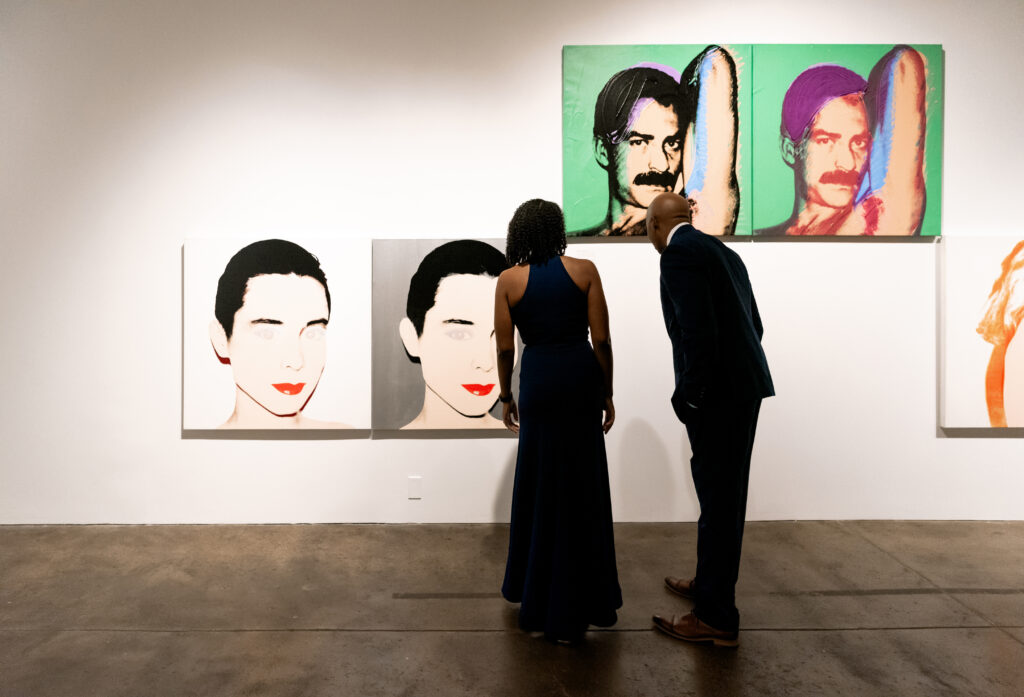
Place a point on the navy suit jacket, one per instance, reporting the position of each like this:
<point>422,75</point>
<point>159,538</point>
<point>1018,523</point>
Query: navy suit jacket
<point>712,319</point>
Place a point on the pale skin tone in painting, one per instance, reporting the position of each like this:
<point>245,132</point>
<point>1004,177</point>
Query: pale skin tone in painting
<point>277,351</point>
<point>829,162</point>
<point>456,352</point>
<point>657,144</point>
<point>716,201</point>
<point>510,289</point>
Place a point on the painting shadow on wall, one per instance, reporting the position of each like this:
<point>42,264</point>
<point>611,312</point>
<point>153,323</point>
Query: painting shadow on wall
<point>257,434</point>
<point>435,434</point>
<point>955,432</point>
<point>844,239</point>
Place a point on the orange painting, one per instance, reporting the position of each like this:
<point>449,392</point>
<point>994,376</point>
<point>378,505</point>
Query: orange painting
<point>1004,378</point>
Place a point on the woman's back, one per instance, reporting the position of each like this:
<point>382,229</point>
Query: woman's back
<point>553,309</point>
<point>559,374</point>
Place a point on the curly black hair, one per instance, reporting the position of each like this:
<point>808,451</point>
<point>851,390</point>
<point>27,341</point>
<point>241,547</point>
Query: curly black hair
<point>536,233</point>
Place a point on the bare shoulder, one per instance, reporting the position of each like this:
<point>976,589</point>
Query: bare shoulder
<point>584,267</point>
<point>583,273</point>
<point>512,281</point>
<point>514,273</point>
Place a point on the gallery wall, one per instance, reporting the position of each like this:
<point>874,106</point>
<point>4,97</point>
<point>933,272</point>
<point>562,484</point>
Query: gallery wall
<point>127,127</point>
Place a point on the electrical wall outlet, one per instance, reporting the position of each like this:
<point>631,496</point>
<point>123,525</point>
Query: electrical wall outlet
<point>415,487</point>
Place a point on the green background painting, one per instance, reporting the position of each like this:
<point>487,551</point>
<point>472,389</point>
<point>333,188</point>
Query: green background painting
<point>764,73</point>
<point>774,68</point>
<point>585,70</point>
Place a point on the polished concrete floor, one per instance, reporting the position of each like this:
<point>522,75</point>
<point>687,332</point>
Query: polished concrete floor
<point>828,608</point>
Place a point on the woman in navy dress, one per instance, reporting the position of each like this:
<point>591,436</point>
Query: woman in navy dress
<point>561,556</point>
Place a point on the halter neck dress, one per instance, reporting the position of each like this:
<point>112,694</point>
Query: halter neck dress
<point>561,557</point>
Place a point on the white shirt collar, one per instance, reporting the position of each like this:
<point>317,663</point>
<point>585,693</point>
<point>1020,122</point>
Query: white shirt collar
<point>668,240</point>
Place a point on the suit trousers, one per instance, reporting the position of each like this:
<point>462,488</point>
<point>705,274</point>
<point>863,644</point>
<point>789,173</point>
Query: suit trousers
<point>721,439</point>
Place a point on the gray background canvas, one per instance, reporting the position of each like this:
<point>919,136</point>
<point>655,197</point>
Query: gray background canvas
<point>397,380</point>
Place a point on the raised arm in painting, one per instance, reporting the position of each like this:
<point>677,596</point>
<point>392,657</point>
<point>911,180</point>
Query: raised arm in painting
<point>892,196</point>
<point>709,158</point>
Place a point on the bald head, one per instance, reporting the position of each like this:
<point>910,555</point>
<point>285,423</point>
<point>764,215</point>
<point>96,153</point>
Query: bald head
<point>665,212</point>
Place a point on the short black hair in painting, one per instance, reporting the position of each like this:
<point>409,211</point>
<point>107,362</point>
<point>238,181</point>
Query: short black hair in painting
<point>616,106</point>
<point>536,233</point>
<point>470,257</point>
<point>262,258</point>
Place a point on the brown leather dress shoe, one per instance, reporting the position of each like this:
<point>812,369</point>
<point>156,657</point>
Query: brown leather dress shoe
<point>688,628</point>
<point>682,588</point>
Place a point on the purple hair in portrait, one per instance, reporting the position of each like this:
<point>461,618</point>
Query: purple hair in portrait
<point>813,89</point>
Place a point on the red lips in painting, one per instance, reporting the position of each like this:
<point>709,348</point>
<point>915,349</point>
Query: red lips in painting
<point>289,388</point>
<point>480,390</point>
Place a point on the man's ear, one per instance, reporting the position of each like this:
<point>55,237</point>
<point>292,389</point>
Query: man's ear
<point>601,153</point>
<point>652,227</point>
<point>219,340</point>
<point>788,150</point>
<point>411,340</point>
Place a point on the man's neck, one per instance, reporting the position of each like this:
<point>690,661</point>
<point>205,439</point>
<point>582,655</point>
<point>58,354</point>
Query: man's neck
<point>626,219</point>
<point>815,219</point>
<point>672,232</point>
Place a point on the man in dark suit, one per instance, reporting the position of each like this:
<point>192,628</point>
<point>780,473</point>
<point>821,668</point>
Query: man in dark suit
<point>721,377</point>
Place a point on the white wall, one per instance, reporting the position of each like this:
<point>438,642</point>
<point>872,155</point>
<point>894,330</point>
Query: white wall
<point>126,127</point>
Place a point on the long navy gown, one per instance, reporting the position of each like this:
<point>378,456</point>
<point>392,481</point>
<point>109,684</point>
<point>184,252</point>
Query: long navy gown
<point>561,556</point>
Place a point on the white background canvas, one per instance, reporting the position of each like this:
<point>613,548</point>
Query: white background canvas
<point>970,265</point>
<point>343,394</point>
